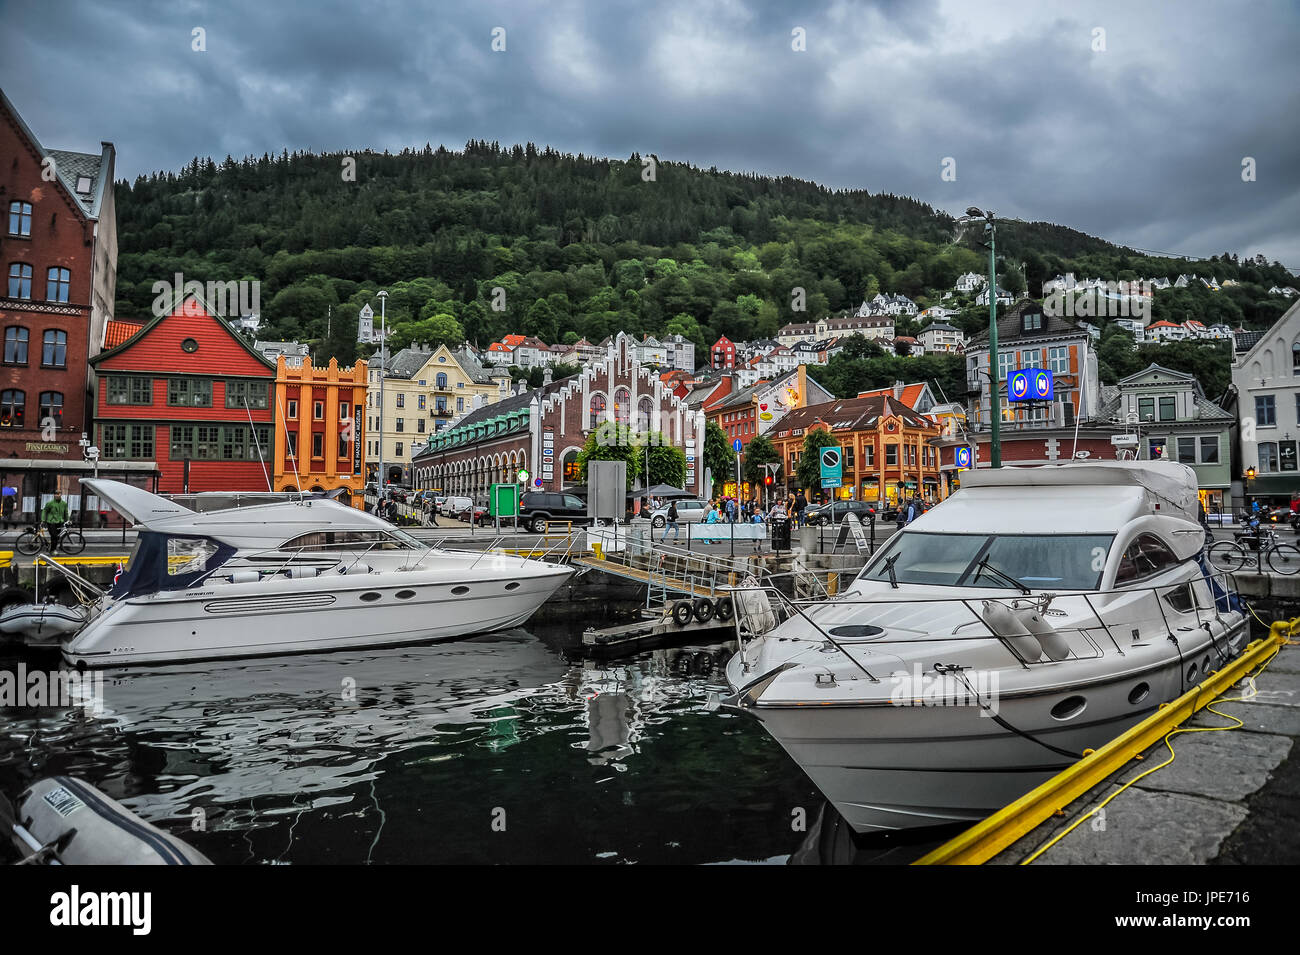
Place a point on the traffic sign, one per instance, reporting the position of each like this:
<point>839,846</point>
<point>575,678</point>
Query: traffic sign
<point>736,445</point>
<point>963,457</point>
<point>832,468</point>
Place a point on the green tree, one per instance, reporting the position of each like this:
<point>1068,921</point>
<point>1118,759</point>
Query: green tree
<point>613,442</point>
<point>433,331</point>
<point>808,471</point>
<point>758,452</point>
<point>718,456</point>
<point>667,463</point>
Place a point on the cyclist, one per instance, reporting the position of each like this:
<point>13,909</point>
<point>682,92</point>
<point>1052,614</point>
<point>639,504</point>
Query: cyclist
<point>54,515</point>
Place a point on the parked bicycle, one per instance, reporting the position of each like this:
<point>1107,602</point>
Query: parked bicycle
<point>1253,548</point>
<point>36,539</point>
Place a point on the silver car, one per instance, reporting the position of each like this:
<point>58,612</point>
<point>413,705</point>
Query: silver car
<point>688,512</point>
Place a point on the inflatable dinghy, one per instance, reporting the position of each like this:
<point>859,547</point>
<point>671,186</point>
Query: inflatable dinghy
<point>65,821</point>
<point>42,623</point>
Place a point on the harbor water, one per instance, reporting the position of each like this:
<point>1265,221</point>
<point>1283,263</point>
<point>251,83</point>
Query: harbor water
<point>506,748</point>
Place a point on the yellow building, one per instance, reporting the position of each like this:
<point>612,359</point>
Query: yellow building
<point>424,390</point>
<point>320,425</point>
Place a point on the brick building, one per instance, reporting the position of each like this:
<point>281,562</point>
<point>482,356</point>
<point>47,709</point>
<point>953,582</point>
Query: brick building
<point>58,249</point>
<point>542,430</point>
<point>190,393</point>
<point>886,446</point>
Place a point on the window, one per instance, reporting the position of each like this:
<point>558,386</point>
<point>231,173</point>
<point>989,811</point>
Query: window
<point>343,411</point>
<point>343,446</point>
<point>291,444</point>
<point>54,349</point>
<point>1048,561</point>
<point>891,455</point>
<point>256,393</point>
<point>399,449</point>
<point>441,406</point>
<point>460,404</point>
<point>1168,408</point>
<point>57,282</point>
<point>401,424</point>
<point>1186,450</point>
<point>420,425</point>
<point>13,408</point>
<point>51,405</point>
<point>129,390</point>
<point>1058,359</point>
<point>1146,409</point>
<point>1265,411</point>
<point>1145,557</point>
<point>1006,364</point>
<point>622,405</point>
<point>20,280</point>
<point>127,441</point>
<point>1031,358</point>
<point>869,455</point>
<point>189,392</point>
<point>1267,457</point>
<point>1210,449</point>
<point>293,409</point>
<point>441,379</point>
<point>401,400</point>
<point>1286,458</point>
<point>644,410</point>
<point>318,410</point>
<point>20,218</point>
<point>317,445</point>
<point>16,345</point>
<point>597,409</point>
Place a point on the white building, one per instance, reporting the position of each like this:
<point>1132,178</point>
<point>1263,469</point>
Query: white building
<point>1267,383</point>
<point>941,337</point>
<point>970,282</point>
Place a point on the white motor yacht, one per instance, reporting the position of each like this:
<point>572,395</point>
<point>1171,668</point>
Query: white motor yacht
<point>1036,613</point>
<point>291,577</point>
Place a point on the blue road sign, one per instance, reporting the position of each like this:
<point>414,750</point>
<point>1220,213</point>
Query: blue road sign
<point>736,445</point>
<point>831,468</point>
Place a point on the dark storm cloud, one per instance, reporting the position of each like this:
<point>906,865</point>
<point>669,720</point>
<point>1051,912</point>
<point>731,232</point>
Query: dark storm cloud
<point>1141,142</point>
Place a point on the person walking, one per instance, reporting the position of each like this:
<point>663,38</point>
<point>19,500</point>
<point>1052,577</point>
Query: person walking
<point>670,520</point>
<point>54,515</point>
<point>431,511</point>
<point>800,505</point>
<point>731,510</point>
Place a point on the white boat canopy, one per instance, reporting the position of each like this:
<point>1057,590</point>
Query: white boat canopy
<point>134,503</point>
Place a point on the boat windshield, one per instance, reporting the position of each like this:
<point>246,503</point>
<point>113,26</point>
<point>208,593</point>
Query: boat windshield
<point>162,562</point>
<point>1039,561</point>
<point>386,539</point>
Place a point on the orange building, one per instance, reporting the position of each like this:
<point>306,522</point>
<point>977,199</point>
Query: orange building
<point>885,445</point>
<point>320,424</point>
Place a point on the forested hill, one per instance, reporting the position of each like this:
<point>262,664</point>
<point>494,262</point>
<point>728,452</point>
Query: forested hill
<point>582,246</point>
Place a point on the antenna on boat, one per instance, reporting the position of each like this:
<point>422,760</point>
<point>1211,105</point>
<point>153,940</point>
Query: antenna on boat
<point>258,445</point>
<point>294,457</point>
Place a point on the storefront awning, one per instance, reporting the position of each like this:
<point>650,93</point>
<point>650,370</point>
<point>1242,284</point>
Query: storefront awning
<point>1288,483</point>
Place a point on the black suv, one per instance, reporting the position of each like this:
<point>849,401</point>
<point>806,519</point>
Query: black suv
<point>538,507</point>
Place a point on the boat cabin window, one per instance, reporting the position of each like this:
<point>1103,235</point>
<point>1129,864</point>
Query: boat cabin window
<point>1039,561</point>
<point>364,540</point>
<point>1147,556</point>
<point>188,555</point>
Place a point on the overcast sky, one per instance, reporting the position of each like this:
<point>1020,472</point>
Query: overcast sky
<point>1137,133</point>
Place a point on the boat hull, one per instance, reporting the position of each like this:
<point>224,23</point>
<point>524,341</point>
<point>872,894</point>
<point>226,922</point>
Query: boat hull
<point>314,615</point>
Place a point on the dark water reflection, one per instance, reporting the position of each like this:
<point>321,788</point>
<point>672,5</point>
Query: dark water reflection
<point>500,749</point>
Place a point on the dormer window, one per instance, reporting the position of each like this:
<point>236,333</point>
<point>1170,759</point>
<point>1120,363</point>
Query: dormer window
<point>83,185</point>
<point>1031,321</point>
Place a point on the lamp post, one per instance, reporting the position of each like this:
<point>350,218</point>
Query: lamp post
<point>1250,476</point>
<point>382,480</point>
<point>995,399</point>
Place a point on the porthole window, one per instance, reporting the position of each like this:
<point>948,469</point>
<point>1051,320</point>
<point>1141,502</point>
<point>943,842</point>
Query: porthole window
<point>1191,673</point>
<point>370,596</point>
<point>404,594</point>
<point>190,346</point>
<point>460,591</point>
<point>513,585</point>
<point>1139,693</point>
<point>1069,708</point>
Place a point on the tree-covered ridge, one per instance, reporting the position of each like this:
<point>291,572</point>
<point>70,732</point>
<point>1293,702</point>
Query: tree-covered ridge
<point>578,246</point>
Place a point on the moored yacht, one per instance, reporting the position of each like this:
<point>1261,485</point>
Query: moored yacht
<point>291,577</point>
<point>1036,613</point>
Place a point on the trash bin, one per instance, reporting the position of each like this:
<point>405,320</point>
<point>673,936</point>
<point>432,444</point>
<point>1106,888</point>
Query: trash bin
<point>781,533</point>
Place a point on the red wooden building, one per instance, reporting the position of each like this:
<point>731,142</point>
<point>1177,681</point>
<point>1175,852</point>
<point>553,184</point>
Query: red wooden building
<point>189,392</point>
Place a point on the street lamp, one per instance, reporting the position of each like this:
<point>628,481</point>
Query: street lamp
<point>383,367</point>
<point>1250,476</point>
<point>995,400</point>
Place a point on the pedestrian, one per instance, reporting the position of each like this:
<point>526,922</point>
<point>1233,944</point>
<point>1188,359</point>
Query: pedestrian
<point>7,509</point>
<point>670,520</point>
<point>800,505</point>
<point>900,517</point>
<point>431,510</point>
<point>731,510</point>
<point>54,515</point>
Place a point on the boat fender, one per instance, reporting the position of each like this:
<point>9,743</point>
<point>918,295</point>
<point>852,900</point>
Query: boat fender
<point>245,577</point>
<point>1052,641</point>
<point>682,613</point>
<point>703,609</point>
<point>725,609</point>
<point>300,573</point>
<point>1006,624</point>
<point>755,609</point>
<point>89,828</point>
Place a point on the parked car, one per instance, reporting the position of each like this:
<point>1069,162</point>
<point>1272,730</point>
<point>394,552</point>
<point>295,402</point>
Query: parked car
<point>481,516</point>
<point>836,511</point>
<point>689,511</point>
<point>538,507</point>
